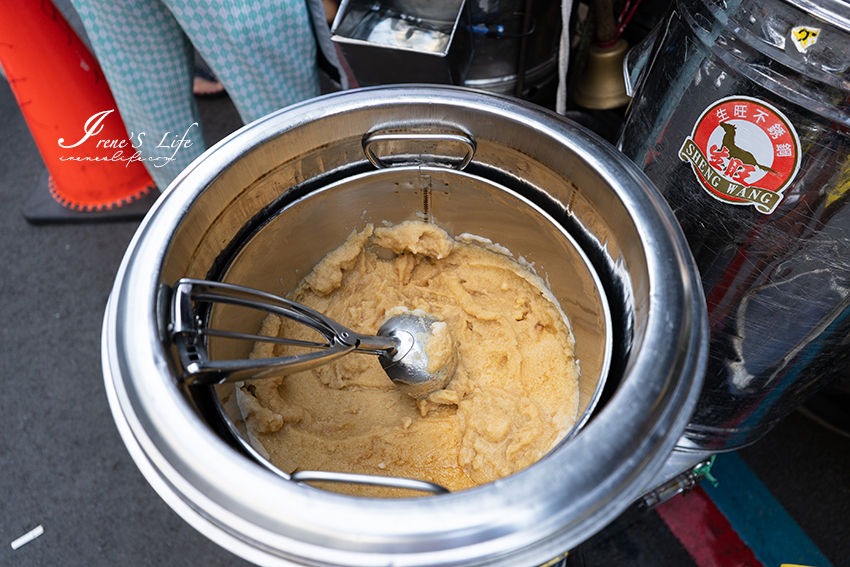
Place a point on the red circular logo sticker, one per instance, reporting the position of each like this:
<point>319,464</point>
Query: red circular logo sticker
<point>743,152</point>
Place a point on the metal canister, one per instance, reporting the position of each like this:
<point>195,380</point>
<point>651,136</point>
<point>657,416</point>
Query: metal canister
<point>515,47</point>
<point>741,119</point>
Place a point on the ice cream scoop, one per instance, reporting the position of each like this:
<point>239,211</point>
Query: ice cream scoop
<point>411,346</point>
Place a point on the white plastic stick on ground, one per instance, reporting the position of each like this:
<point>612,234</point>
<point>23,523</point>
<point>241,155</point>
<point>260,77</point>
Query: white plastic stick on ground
<point>28,537</point>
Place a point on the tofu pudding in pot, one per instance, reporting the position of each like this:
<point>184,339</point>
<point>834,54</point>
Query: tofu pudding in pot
<point>513,397</point>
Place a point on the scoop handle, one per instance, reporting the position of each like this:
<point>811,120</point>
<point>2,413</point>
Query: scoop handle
<point>189,332</point>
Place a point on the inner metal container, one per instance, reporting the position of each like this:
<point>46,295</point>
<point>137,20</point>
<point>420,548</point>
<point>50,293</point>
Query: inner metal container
<point>268,260</point>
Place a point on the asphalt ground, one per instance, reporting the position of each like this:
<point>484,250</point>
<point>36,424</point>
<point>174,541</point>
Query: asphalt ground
<point>64,468</point>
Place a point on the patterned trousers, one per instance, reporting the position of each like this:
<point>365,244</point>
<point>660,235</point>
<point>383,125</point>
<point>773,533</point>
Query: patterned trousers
<point>263,51</point>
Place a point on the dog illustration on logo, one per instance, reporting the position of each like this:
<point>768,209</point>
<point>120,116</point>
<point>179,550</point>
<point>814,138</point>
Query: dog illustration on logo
<point>744,152</point>
<point>736,152</point>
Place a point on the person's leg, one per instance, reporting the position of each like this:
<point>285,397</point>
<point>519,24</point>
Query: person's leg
<point>263,51</point>
<point>148,62</point>
<point>206,84</point>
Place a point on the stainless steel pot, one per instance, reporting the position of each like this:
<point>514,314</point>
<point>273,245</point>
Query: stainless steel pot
<point>772,246</point>
<point>291,186</point>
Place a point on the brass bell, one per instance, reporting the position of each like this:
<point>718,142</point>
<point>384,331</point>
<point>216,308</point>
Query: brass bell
<point>602,85</point>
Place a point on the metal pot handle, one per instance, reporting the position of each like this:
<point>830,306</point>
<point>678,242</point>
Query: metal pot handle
<point>369,479</point>
<point>369,140</point>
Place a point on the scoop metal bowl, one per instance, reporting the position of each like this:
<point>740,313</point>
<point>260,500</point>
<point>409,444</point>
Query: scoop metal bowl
<point>409,366</point>
<point>401,343</point>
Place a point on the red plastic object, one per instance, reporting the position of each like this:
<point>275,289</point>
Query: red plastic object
<point>62,94</point>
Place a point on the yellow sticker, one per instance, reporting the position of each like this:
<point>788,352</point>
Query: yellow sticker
<point>804,37</point>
